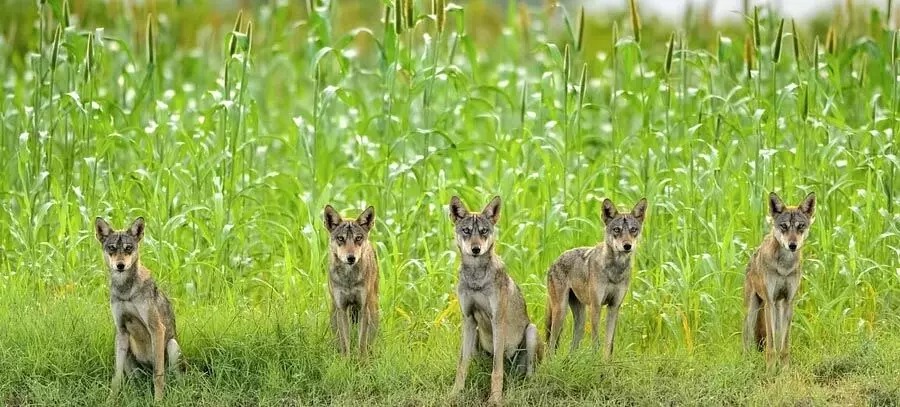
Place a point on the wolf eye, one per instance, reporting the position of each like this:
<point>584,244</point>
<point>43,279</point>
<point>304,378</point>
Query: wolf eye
<point>110,248</point>
<point>783,227</point>
<point>467,231</point>
<point>617,230</point>
<point>484,231</point>
<point>801,226</point>
<point>633,229</point>
<point>359,239</point>
<point>340,239</point>
<point>128,248</point>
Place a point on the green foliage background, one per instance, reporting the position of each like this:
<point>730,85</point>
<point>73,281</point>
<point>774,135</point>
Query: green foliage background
<point>231,156</point>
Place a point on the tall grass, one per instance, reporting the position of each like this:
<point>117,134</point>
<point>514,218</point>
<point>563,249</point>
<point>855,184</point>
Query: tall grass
<point>232,142</point>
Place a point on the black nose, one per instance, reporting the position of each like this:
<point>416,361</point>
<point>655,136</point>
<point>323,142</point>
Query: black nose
<point>476,250</point>
<point>120,266</point>
<point>792,246</point>
<point>351,259</point>
<point>626,246</point>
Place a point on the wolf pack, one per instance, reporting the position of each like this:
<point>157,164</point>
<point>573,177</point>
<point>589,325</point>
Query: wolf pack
<point>495,321</point>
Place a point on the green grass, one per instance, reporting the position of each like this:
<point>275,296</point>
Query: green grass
<point>232,176</point>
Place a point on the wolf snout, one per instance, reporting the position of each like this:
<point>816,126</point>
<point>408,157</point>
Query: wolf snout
<point>120,266</point>
<point>627,247</point>
<point>792,246</point>
<point>476,249</point>
<point>351,259</point>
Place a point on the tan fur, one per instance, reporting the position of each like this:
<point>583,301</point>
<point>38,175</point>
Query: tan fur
<point>142,315</point>
<point>773,280</point>
<point>352,278</point>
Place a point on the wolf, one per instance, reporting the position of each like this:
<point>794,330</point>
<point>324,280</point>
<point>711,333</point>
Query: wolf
<point>494,315</point>
<point>594,277</point>
<point>142,315</point>
<point>773,279</point>
<point>352,278</point>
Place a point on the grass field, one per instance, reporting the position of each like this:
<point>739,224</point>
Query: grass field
<point>231,143</point>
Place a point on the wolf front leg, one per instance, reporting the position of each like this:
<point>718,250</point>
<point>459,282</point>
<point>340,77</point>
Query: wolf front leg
<point>595,325</point>
<point>340,326</point>
<point>158,339</point>
<point>612,316</point>
<point>121,356</point>
<point>498,326</point>
<point>364,321</point>
<point>771,333</point>
<point>466,350</point>
<point>785,356</point>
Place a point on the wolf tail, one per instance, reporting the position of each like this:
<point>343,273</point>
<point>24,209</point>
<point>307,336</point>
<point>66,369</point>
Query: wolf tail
<point>759,331</point>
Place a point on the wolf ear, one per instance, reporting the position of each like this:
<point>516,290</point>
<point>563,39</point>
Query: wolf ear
<point>458,210</point>
<point>102,229</point>
<point>137,229</point>
<point>640,210</point>
<point>492,210</point>
<point>367,218</point>
<point>332,218</point>
<point>808,206</point>
<point>776,205</point>
<point>609,211</point>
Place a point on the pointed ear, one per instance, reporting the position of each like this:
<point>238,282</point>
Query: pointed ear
<point>102,229</point>
<point>367,218</point>
<point>608,211</point>
<point>808,206</point>
<point>458,210</point>
<point>492,210</point>
<point>776,205</point>
<point>332,218</point>
<point>137,229</point>
<point>640,210</point>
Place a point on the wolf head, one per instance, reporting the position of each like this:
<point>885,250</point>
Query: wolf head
<point>790,224</point>
<point>349,238</point>
<point>120,249</point>
<point>623,229</point>
<point>475,231</point>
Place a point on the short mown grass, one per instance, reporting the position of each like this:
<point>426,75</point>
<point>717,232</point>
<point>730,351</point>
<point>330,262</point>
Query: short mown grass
<point>230,137</point>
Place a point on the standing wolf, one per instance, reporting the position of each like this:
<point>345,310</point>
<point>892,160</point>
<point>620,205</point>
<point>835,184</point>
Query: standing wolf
<point>594,276</point>
<point>495,318</point>
<point>773,278</point>
<point>143,317</point>
<point>352,278</point>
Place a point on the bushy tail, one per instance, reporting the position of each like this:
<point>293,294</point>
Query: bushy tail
<point>759,332</point>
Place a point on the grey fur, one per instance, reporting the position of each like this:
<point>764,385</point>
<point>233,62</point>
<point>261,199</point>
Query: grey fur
<point>495,317</point>
<point>594,277</point>
<point>142,315</point>
<point>352,278</point>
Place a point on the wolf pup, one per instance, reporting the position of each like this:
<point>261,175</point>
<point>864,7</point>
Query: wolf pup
<point>352,278</point>
<point>773,278</point>
<point>494,316</point>
<point>143,317</point>
<point>594,276</point>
